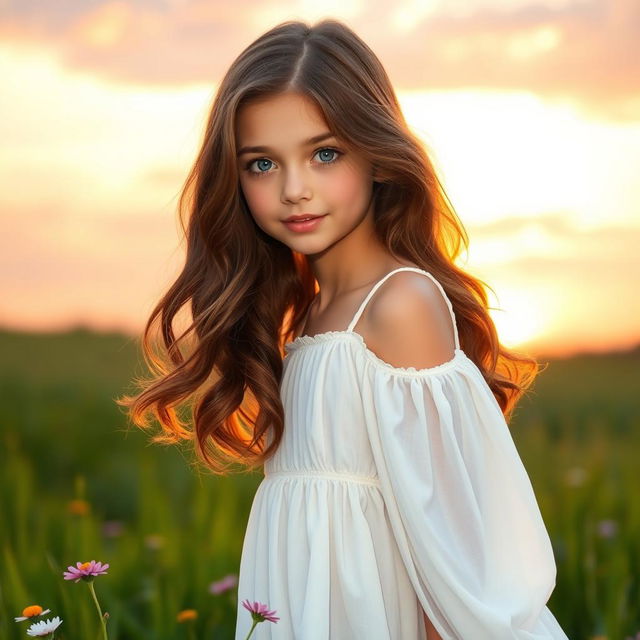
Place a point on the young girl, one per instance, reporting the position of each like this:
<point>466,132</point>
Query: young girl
<point>335,343</point>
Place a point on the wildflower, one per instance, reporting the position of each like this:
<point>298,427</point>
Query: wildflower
<point>186,615</point>
<point>78,507</point>
<point>575,476</point>
<point>154,541</point>
<point>85,571</point>
<point>44,627</point>
<point>224,584</point>
<point>607,528</point>
<point>32,611</point>
<point>112,528</point>
<point>259,612</point>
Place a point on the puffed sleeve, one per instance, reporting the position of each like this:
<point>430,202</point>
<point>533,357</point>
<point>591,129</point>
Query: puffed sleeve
<point>460,502</point>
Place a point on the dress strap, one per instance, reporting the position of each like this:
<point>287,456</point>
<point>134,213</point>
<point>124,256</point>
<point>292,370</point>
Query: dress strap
<point>358,313</point>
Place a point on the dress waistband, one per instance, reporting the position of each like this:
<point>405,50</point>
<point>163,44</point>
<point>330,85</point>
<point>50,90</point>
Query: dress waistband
<point>329,475</point>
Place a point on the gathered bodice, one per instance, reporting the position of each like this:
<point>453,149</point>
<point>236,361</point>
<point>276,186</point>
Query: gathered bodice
<point>324,418</point>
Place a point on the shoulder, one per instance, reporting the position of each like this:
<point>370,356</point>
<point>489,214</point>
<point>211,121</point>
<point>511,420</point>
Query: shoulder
<point>408,322</point>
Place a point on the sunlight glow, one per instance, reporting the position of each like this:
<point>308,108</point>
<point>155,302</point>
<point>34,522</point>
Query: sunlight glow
<point>517,317</point>
<point>502,154</point>
<point>93,170</point>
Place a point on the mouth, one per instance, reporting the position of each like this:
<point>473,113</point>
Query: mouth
<point>303,223</point>
<point>303,217</point>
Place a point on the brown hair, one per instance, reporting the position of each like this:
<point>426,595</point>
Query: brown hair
<point>248,292</point>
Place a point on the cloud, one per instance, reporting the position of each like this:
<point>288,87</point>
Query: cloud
<point>553,223</point>
<point>583,52</point>
<point>601,252</point>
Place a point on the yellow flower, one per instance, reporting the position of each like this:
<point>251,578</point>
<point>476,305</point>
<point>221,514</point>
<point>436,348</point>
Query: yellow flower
<point>186,615</point>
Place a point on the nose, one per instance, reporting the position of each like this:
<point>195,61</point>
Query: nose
<point>296,185</point>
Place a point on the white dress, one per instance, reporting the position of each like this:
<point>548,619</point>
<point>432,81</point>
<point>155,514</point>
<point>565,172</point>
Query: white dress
<point>393,490</point>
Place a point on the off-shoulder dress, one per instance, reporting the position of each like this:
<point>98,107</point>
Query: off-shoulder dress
<point>394,490</point>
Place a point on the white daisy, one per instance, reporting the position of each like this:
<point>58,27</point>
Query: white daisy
<point>44,628</point>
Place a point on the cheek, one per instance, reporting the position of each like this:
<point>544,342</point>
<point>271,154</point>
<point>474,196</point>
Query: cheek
<point>259,199</point>
<point>348,187</point>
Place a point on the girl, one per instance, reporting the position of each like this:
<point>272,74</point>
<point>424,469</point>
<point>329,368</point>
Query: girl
<point>335,343</point>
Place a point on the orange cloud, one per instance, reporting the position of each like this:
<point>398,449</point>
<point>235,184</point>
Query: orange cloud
<point>581,52</point>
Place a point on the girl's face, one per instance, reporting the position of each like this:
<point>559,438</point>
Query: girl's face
<point>300,168</point>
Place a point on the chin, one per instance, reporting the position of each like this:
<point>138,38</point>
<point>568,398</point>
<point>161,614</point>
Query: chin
<point>308,246</point>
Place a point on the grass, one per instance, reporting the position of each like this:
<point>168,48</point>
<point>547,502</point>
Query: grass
<point>78,483</point>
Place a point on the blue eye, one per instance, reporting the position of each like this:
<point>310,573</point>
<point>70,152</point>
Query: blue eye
<point>333,153</point>
<point>260,163</point>
<point>326,156</point>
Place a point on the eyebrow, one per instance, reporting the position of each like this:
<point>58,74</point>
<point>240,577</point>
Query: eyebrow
<point>262,149</point>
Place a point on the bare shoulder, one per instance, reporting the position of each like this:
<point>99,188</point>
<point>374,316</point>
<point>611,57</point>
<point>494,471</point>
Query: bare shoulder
<point>408,323</point>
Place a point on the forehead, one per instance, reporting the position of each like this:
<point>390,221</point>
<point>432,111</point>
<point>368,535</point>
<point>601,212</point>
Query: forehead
<point>269,120</point>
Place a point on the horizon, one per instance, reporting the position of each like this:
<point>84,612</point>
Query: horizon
<point>530,113</point>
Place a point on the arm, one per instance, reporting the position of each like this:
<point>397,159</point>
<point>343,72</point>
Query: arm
<point>460,502</point>
<point>432,634</point>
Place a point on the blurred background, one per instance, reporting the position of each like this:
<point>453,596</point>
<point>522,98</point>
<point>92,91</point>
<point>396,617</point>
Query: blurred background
<point>530,110</point>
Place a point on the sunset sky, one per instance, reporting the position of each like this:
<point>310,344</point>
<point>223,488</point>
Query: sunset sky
<point>529,110</point>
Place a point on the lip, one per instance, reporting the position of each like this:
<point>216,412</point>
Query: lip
<point>295,224</point>
<point>302,216</point>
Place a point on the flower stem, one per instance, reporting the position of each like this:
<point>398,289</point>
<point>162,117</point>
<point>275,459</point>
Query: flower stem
<point>255,622</point>
<point>102,621</point>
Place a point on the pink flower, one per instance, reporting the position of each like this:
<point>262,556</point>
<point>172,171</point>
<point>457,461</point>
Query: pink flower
<point>607,528</point>
<point>224,584</point>
<point>85,571</point>
<point>112,528</point>
<point>259,612</point>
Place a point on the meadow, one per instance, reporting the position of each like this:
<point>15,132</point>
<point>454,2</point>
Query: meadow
<point>79,483</point>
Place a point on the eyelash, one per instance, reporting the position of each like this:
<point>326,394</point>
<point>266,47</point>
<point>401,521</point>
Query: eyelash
<point>266,173</point>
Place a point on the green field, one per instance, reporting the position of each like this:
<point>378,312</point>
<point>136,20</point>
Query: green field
<point>79,483</point>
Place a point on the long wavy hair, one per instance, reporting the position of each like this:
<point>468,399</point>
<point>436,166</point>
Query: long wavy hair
<point>248,293</point>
